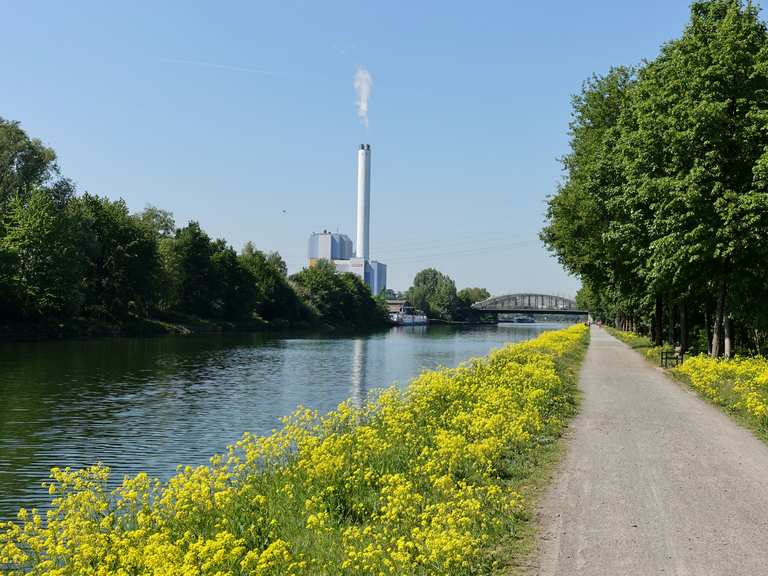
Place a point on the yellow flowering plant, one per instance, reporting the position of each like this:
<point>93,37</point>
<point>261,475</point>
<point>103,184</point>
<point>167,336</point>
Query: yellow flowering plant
<point>415,481</point>
<point>738,384</point>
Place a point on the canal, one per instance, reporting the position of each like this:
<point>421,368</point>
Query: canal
<point>151,404</point>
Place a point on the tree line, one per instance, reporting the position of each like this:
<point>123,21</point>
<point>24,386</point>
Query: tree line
<point>435,294</point>
<point>663,210</point>
<point>67,256</point>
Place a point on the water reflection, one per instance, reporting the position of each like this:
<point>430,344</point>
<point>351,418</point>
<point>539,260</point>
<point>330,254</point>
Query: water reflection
<point>150,404</point>
<point>357,371</point>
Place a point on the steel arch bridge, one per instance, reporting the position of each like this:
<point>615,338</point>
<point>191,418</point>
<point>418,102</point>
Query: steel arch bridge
<point>528,304</point>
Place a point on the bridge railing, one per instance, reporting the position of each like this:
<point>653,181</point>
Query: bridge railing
<point>531,302</point>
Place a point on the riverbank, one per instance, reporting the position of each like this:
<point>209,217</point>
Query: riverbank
<point>420,481</point>
<point>89,328</point>
<point>180,325</point>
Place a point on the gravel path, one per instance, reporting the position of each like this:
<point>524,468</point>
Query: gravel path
<point>655,480</point>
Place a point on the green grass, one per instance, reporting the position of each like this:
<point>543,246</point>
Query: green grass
<point>641,344</point>
<point>533,475</point>
<point>634,341</point>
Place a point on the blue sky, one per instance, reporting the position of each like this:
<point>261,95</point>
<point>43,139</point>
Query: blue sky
<point>241,115</point>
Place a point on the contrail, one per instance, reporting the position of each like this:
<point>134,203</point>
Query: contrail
<point>214,65</point>
<point>363,83</point>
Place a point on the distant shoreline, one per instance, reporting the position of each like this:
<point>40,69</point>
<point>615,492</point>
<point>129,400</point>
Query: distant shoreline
<point>86,328</point>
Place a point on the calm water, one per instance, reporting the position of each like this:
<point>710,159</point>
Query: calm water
<point>151,404</point>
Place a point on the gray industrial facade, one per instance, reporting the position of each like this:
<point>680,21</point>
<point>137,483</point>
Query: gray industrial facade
<point>338,249</point>
<point>329,246</point>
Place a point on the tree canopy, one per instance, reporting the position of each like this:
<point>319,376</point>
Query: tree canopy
<point>663,210</point>
<point>435,294</point>
<point>335,296</point>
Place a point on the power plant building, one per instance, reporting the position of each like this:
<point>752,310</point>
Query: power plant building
<point>338,247</point>
<point>329,246</point>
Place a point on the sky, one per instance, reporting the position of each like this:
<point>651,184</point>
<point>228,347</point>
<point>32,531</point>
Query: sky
<point>241,115</point>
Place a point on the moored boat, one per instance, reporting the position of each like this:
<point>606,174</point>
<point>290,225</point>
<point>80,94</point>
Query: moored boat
<point>403,314</point>
<point>408,319</point>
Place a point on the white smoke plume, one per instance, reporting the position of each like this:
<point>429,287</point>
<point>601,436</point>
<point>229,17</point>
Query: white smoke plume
<point>363,83</point>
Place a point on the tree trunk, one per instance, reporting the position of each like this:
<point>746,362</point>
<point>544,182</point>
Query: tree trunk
<point>728,325</point>
<point>717,329</point>
<point>658,337</point>
<point>670,321</point>
<point>706,329</point>
<point>683,328</point>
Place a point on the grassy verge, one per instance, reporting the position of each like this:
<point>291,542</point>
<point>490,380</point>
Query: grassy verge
<point>521,547</point>
<point>641,344</point>
<point>436,479</point>
<point>634,341</point>
<point>738,386</point>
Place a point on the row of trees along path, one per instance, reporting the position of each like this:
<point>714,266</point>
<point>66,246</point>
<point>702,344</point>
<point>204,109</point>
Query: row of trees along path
<point>663,212</point>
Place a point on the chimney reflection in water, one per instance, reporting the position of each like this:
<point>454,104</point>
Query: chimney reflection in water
<point>358,392</point>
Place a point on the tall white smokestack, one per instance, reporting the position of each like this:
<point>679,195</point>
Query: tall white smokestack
<point>363,201</point>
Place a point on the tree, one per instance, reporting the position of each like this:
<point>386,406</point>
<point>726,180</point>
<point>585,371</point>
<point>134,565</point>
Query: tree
<point>277,300</point>
<point>236,293</point>
<point>390,294</point>
<point>471,295</point>
<point>464,300</point>
<point>320,286</point>
<point>434,293</point>
<point>121,259</point>
<point>27,165</point>
<point>699,147</point>
<point>159,222</point>
<point>187,259</point>
<point>590,227</point>
<point>367,311</point>
<point>63,256</point>
<point>277,263</point>
<point>338,299</point>
<point>663,212</point>
<point>41,258</point>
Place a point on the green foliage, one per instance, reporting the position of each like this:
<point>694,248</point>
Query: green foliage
<point>26,165</point>
<point>471,295</point>
<point>434,293</point>
<point>120,258</point>
<point>664,207</point>
<point>465,298</point>
<point>277,300</point>
<point>41,259</point>
<point>159,222</point>
<point>236,292</point>
<point>390,294</point>
<point>338,299</point>
<point>188,258</point>
<point>277,262</point>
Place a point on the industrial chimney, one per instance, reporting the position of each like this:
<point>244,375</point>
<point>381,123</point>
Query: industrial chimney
<point>363,201</point>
